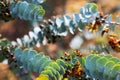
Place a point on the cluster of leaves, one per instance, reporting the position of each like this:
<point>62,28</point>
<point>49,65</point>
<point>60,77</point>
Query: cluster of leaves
<point>26,11</point>
<point>96,66</point>
<point>29,10</point>
<point>102,67</point>
<point>55,28</point>
<point>32,61</point>
<point>72,65</point>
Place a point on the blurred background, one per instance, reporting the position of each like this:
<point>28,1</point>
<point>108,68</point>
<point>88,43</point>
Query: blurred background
<point>18,28</point>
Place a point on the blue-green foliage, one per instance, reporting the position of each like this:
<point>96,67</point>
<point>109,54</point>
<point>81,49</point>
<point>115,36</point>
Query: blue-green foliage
<point>89,10</point>
<point>27,11</point>
<point>37,62</point>
<point>62,25</point>
<point>102,67</point>
<point>30,60</point>
<point>98,66</point>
